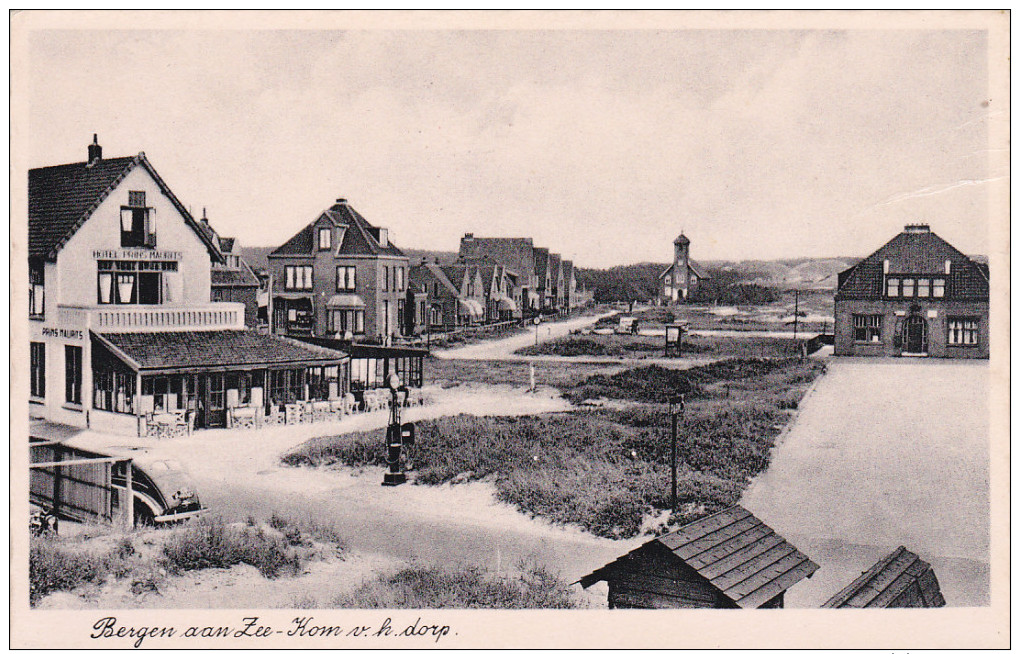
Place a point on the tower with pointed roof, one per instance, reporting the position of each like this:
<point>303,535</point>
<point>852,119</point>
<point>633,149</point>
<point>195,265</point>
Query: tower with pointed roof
<point>681,278</point>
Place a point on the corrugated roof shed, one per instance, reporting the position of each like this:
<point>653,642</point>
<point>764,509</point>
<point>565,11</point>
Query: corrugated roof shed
<point>901,579</point>
<point>226,348</point>
<point>736,553</point>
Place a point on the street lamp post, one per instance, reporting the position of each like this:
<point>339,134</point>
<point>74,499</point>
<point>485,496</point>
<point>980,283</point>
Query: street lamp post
<point>397,434</point>
<point>676,409</point>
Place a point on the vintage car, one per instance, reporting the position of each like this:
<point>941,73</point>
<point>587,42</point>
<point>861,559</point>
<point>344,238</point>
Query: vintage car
<point>163,491</point>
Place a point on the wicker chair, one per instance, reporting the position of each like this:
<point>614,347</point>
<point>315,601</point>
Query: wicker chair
<point>243,417</point>
<point>275,416</point>
<point>294,413</point>
<point>321,410</point>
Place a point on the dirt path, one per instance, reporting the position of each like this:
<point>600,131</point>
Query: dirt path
<point>504,348</point>
<point>886,453</point>
<point>238,474</point>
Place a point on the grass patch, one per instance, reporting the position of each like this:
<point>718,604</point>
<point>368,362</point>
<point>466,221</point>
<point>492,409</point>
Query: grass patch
<point>604,345</point>
<point>434,587</point>
<point>606,470</point>
<point>514,372</point>
<point>213,544</point>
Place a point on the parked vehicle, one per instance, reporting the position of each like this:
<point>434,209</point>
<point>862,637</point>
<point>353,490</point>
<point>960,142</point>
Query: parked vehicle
<point>163,491</point>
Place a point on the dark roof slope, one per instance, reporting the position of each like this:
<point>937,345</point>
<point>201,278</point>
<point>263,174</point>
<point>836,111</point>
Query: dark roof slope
<point>360,236</point>
<point>61,198</point>
<point>515,254</point>
<point>901,579</point>
<point>243,276</point>
<point>735,552</point>
<point>234,348</point>
<point>916,250</point>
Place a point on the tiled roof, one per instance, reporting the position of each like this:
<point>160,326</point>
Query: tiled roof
<point>61,198</point>
<point>736,553</point>
<point>901,579</point>
<point>691,266</point>
<point>360,236</point>
<point>914,252</point>
<point>427,272</point>
<point>230,348</point>
<point>541,262</point>
<point>242,276</point>
<point>515,254</point>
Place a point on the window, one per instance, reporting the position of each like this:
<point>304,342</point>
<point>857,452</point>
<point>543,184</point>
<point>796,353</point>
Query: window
<point>938,288</point>
<point>286,386</point>
<point>318,383</point>
<point>342,320</point>
<point>137,222</point>
<point>72,374</point>
<point>400,279</point>
<point>908,287</point>
<point>963,331</point>
<point>325,238</point>
<point>113,390</point>
<point>892,286</point>
<point>385,318</point>
<point>298,278</point>
<point>165,392</point>
<point>36,290</point>
<point>385,278</point>
<point>37,369</point>
<point>346,278</point>
<point>400,315</point>
<point>923,287</point>
<point>435,315</point>
<point>135,282</point>
<point>868,329</point>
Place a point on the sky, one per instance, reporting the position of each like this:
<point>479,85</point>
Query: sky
<point>601,145</point>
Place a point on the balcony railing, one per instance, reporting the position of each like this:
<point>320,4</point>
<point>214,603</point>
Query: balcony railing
<point>150,318</point>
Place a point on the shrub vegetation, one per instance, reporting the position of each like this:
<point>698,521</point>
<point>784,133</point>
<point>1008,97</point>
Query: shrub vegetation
<point>434,587</point>
<point>607,470</point>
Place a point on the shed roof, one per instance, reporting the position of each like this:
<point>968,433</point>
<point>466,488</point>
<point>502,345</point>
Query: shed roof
<point>242,348</point>
<point>736,553</point>
<point>61,198</point>
<point>889,582</point>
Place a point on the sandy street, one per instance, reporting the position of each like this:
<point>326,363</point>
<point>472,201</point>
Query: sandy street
<point>886,453</point>
<point>504,348</point>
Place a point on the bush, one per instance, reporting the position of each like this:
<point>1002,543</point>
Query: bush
<point>211,544</point>
<point>53,567</point>
<point>434,587</point>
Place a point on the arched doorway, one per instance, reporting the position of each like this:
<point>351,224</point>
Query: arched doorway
<point>915,335</point>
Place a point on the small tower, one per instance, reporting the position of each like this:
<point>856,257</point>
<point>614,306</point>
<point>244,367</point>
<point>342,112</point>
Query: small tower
<point>681,265</point>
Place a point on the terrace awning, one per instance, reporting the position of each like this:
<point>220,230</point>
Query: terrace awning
<point>473,308</point>
<point>346,301</point>
<point>507,304</point>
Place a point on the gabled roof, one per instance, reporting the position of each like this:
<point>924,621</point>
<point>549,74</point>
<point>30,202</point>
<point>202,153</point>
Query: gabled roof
<point>899,579</point>
<point>436,272</point>
<point>241,348</point>
<point>61,198</point>
<point>541,262</point>
<point>691,266</point>
<point>514,253</point>
<point>915,250</point>
<point>733,551</point>
<point>360,236</point>
<point>243,276</point>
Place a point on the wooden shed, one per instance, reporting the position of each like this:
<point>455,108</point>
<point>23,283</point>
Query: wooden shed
<point>727,560</point>
<point>900,580</point>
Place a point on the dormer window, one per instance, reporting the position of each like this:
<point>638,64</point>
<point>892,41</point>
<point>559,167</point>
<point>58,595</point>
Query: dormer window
<point>325,238</point>
<point>137,222</point>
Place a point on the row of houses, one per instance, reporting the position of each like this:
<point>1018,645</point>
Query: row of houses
<point>342,277</point>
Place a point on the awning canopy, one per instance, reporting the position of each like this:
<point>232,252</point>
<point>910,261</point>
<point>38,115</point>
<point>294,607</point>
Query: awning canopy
<point>242,349</point>
<point>472,308</point>
<point>346,301</point>
<point>507,304</point>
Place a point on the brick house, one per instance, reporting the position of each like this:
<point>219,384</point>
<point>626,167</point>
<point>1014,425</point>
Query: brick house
<point>517,256</point>
<point>339,274</point>
<point>917,295</point>
<point>232,279</point>
<point>556,281</point>
<point>444,310</point>
<point>569,285</point>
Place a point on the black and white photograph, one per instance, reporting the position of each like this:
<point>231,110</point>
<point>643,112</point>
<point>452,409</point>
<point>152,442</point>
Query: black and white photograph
<point>418,329</point>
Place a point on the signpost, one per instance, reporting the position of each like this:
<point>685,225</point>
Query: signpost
<point>674,334</point>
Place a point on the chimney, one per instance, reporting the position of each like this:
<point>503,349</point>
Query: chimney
<point>919,228</point>
<point>95,151</point>
<point>468,236</point>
